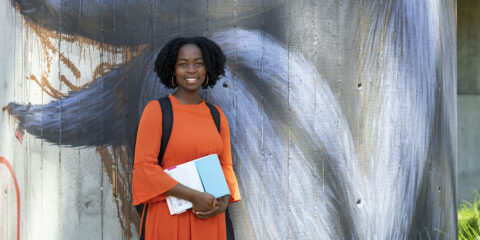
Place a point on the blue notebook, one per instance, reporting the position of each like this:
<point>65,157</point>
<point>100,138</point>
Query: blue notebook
<point>212,177</point>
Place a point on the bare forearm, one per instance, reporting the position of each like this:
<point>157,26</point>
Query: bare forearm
<point>201,201</point>
<point>183,192</point>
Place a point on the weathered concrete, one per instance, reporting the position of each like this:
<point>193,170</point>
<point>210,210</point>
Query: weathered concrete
<point>468,34</point>
<point>468,48</point>
<point>65,192</point>
<point>342,113</point>
<point>468,146</point>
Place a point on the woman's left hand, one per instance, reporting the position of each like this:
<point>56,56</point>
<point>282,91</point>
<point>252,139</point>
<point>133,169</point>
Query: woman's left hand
<point>220,206</point>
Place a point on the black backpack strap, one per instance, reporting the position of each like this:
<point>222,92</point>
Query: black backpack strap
<point>143,215</point>
<point>215,115</point>
<point>167,125</point>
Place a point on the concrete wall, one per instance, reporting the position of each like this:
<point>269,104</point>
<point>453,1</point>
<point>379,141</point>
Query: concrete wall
<point>342,113</point>
<point>65,193</point>
<point>468,146</point>
<point>468,47</point>
<point>468,98</point>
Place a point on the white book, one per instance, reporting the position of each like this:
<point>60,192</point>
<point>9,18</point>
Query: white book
<point>187,175</point>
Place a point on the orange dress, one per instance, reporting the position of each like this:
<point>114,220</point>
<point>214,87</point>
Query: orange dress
<point>194,135</point>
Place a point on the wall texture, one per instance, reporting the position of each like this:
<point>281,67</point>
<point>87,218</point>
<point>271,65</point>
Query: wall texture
<point>342,114</point>
<point>468,48</point>
<point>468,152</point>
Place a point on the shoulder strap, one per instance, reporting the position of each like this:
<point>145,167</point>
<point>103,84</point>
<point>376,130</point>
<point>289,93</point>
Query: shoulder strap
<point>215,115</point>
<point>167,123</point>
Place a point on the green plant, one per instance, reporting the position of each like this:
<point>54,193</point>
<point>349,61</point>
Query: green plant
<point>469,219</point>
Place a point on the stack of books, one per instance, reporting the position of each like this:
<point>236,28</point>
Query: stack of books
<point>204,174</point>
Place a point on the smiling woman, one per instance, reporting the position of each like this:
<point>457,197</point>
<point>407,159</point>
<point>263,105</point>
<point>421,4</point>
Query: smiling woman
<point>196,57</point>
<point>186,64</point>
<point>190,72</point>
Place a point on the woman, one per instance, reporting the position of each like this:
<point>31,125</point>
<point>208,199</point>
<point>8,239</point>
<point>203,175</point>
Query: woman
<point>186,64</point>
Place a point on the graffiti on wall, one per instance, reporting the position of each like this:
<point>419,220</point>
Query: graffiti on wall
<point>305,168</point>
<point>4,162</point>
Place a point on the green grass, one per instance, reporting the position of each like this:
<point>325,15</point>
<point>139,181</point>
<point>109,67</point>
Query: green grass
<point>469,219</point>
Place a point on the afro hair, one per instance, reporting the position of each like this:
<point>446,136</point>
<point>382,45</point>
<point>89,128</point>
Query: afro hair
<point>213,57</point>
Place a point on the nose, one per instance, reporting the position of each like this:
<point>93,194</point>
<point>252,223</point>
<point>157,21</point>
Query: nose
<point>190,68</point>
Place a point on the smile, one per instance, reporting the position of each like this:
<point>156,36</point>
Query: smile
<point>191,80</point>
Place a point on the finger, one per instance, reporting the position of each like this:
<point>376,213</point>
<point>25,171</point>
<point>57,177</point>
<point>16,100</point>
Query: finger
<point>202,216</point>
<point>207,213</point>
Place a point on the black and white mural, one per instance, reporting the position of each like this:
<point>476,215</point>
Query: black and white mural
<point>342,113</point>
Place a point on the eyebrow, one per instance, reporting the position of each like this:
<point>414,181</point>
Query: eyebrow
<point>184,59</point>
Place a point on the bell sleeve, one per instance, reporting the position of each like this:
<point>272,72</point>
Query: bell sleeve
<point>149,182</point>
<point>226,159</point>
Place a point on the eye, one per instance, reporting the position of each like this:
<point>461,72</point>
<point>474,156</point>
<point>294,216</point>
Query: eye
<point>182,64</point>
<point>199,64</point>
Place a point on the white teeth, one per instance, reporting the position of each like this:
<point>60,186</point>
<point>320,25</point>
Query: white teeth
<point>191,80</point>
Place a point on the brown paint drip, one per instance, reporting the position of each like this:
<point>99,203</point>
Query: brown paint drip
<point>121,183</point>
<point>69,84</point>
<point>120,180</point>
<point>125,183</point>
<point>89,42</point>
<point>70,65</point>
<point>100,70</point>
<point>45,36</point>
<point>103,69</point>
<point>9,111</point>
<point>46,87</point>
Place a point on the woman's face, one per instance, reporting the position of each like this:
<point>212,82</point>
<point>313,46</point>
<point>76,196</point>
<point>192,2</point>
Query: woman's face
<point>190,68</point>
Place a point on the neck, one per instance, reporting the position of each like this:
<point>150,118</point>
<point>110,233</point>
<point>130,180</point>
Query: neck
<point>186,97</point>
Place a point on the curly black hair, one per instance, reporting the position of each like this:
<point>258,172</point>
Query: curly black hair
<point>213,57</point>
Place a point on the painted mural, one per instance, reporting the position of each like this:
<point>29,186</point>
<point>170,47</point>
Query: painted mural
<point>342,113</point>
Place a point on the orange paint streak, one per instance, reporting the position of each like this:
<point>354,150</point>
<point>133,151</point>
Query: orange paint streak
<point>17,189</point>
<point>32,77</point>
<point>45,83</point>
<point>70,65</point>
<point>46,87</point>
<point>103,69</point>
<point>69,84</point>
